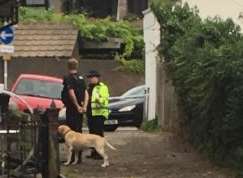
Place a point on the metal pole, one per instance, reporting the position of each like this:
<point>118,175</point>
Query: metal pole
<point>146,104</point>
<point>148,98</point>
<point>5,66</point>
<point>5,74</point>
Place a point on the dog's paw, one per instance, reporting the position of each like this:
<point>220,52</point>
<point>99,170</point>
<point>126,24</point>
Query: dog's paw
<point>75,163</point>
<point>105,165</point>
<point>66,163</point>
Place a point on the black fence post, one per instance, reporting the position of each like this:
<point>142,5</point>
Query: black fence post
<point>43,145</point>
<point>53,146</point>
<point>49,148</point>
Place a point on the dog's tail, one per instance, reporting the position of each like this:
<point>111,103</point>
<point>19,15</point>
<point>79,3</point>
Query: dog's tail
<point>109,145</point>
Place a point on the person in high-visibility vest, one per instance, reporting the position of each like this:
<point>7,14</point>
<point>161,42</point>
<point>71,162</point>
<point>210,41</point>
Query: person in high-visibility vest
<point>97,110</point>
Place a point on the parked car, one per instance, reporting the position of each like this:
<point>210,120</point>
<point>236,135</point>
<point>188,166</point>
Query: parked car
<point>38,91</point>
<point>127,110</point>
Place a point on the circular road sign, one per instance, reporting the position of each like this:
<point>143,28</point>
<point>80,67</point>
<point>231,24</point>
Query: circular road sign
<point>6,35</point>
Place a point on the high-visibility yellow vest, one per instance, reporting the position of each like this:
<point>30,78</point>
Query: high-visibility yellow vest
<point>100,100</point>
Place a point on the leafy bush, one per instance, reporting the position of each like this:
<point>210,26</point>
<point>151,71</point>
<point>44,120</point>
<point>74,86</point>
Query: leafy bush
<point>151,126</point>
<point>205,60</point>
<point>92,29</point>
<point>134,66</point>
<point>38,15</point>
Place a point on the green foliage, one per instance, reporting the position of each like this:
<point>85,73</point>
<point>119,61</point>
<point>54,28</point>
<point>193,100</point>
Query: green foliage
<point>131,17</point>
<point>38,15</point>
<point>92,29</point>
<point>134,66</point>
<point>205,60</point>
<point>151,126</point>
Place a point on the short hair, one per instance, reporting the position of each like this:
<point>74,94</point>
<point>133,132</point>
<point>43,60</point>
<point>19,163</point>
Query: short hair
<point>73,64</point>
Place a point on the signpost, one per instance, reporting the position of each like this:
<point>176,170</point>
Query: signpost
<point>9,17</point>
<point>6,38</point>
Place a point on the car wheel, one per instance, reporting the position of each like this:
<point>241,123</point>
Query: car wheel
<point>110,128</point>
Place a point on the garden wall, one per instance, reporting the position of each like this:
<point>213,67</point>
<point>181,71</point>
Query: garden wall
<point>117,81</point>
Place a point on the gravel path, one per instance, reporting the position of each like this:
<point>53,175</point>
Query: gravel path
<point>146,155</point>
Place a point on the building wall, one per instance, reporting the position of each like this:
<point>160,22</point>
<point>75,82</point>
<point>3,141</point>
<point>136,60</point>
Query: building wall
<point>118,81</point>
<point>57,5</point>
<point>122,9</point>
<point>223,8</point>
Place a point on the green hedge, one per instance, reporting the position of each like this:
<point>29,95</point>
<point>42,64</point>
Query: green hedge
<point>133,66</point>
<point>92,29</point>
<point>205,60</point>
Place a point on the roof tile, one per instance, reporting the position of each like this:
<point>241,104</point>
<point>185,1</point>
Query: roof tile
<point>44,40</point>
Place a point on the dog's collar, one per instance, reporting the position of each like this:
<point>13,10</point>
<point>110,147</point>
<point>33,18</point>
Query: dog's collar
<point>66,132</point>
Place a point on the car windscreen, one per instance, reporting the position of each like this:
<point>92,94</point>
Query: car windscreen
<point>138,91</point>
<point>39,88</point>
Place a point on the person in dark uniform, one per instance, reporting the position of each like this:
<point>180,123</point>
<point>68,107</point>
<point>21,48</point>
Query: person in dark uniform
<point>75,98</point>
<point>97,110</point>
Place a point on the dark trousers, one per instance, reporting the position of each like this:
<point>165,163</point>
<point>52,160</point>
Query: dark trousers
<point>75,121</point>
<point>96,126</point>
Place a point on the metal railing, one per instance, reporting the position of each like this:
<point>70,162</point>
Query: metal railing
<point>26,148</point>
<point>127,97</point>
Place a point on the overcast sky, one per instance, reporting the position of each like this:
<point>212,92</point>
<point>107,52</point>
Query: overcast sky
<point>222,8</point>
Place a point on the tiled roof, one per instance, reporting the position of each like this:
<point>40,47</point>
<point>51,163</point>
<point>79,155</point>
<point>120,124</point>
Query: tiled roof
<point>44,40</point>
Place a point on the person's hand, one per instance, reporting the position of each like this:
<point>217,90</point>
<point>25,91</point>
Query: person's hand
<point>80,109</point>
<point>84,109</point>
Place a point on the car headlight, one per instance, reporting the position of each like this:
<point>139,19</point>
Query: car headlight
<point>127,108</point>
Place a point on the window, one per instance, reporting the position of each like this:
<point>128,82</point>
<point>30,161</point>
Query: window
<point>35,3</point>
<point>8,10</point>
<point>136,91</point>
<point>39,88</point>
<point>137,6</point>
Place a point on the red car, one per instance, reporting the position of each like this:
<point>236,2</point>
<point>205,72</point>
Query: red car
<point>38,91</point>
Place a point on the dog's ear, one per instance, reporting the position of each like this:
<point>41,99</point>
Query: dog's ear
<point>59,130</point>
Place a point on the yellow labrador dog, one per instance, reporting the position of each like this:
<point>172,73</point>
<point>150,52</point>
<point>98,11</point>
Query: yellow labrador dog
<point>76,141</point>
